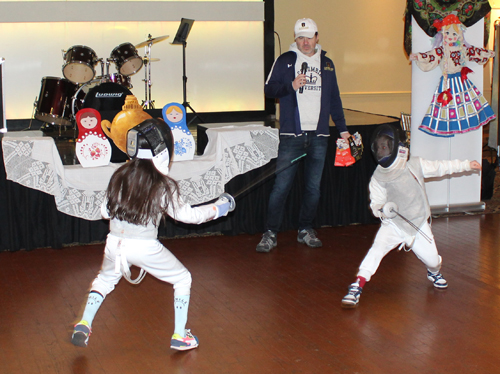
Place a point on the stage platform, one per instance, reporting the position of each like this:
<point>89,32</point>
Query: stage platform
<point>29,218</point>
<point>352,117</point>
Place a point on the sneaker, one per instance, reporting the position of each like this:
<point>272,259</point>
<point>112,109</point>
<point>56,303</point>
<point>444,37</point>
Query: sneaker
<point>308,236</point>
<point>351,300</point>
<point>81,334</point>
<point>183,344</point>
<point>268,242</point>
<point>437,279</point>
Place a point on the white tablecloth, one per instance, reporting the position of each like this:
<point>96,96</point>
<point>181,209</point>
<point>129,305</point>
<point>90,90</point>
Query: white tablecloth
<point>35,162</point>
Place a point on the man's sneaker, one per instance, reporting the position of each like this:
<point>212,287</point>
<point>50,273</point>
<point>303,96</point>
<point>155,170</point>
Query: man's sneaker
<point>183,344</point>
<point>308,236</point>
<point>268,242</point>
<point>351,300</point>
<point>81,334</point>
<point>437,279</point>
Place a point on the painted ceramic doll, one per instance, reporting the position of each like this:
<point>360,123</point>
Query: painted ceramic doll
<point>457,105</point>
<point>174,115</point>
<point>92,146</point>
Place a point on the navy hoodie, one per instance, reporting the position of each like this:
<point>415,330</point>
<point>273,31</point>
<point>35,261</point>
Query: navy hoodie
<point>279,85</point>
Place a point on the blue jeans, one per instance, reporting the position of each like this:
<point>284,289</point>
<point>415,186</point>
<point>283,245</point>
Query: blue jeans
<point>290,148</point>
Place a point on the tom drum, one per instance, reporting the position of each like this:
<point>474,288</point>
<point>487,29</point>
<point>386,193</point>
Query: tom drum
<point>55,100</point>
<point>79,64</point>
<point>126,59</point>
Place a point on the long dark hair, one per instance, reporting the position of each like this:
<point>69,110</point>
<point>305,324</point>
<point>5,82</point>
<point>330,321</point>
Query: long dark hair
<point>138,193</point>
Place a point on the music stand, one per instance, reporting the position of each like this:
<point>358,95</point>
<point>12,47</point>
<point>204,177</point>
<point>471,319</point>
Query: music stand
<point>180,38</point>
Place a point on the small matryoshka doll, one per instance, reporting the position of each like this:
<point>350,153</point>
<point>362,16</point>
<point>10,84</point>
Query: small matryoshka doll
<point>174,115</point>
<point>92,146</point>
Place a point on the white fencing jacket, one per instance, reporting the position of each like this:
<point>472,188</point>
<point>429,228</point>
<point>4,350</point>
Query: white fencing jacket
<point>403,184</point>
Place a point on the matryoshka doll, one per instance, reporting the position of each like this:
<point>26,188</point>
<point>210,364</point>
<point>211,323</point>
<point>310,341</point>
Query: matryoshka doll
<point>92,146</point>
<point>174,115</point>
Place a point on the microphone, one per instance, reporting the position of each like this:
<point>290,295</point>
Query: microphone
<point>303,70</point>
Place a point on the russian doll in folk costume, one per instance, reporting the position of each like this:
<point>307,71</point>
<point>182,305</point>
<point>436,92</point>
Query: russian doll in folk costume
<point>457,105</point>
<point>92,146</point>
<point>174,115</point>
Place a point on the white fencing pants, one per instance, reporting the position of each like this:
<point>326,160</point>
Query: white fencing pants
<point>149,255</point>
<point>389,237</point>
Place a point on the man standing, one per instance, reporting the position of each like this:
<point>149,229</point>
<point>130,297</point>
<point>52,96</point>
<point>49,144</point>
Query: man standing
<point>305,82</point>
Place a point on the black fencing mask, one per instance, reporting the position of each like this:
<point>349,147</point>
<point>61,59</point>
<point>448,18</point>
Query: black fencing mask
<point>386,141</point>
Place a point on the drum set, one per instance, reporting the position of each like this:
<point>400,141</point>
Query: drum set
<point>61,98</point>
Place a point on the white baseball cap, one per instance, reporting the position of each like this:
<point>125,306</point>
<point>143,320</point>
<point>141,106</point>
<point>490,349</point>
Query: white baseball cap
<point>305,27</point>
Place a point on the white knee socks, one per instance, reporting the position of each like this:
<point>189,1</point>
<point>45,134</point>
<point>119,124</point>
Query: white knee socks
<point>181,305</point>
<point>93,303</point>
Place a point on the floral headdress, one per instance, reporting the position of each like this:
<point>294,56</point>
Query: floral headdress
<point>450,19</point>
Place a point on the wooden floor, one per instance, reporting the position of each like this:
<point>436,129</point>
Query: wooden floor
<point>264,313</point>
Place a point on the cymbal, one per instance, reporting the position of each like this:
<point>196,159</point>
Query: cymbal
<point>152,41</point>
<point>146,59</point>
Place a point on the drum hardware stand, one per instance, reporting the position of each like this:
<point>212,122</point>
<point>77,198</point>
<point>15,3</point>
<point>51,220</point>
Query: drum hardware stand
<point>180,38</point>
<point>148,103</point>
<point>35,103</point>
<point>148,83</point>
<point>147,60</point>
<point>104,77</point>
<point>107,68</point>
<point>107,77</point>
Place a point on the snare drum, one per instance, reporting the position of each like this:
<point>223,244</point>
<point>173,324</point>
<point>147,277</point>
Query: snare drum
<point>54,101</point>
<point>126,59</point>
<point>79,64</point>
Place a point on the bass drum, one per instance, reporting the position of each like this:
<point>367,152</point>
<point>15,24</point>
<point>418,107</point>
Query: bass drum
<point>106,96</point>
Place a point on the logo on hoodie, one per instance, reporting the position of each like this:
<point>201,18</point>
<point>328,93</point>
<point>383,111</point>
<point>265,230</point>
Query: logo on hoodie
<point>313,76</point>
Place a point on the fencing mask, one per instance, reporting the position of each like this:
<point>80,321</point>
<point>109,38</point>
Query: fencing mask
<point>151,139</point>
<point>388,143</point>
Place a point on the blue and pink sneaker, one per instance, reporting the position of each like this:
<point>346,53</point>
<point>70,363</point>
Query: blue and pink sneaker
<point>183,344</point>
<point>81,334</point>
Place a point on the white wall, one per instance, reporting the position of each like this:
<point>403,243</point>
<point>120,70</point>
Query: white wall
<point>224,52</point>
<point>365,42</point>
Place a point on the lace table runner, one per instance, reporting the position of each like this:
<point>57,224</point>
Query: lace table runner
<point>34,162</point>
